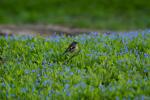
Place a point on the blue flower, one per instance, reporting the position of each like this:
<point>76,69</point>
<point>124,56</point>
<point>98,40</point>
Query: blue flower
<point>67,86</point>
<point>94,33</point>
<point>46,82</point>
<point>145,71</point>
<point>102,87</point>
<point>146,55</point>
<point>129,81</point>
<point>27,71</point>
<point>6,36</point>
<point>71,73</point>
<point>33,89</point>
<point>80,84</point>
<point>33,71</point>
<point>24,90</point>
<point>3,84</point>
<point>45,76</point>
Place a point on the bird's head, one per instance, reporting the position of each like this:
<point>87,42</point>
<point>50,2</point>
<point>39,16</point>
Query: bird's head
<point>74,42</point>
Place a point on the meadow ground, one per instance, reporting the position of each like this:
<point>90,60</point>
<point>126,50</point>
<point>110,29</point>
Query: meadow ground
<point>115,66</point>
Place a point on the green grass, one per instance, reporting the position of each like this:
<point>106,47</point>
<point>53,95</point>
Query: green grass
<point>108,67</point>
<point>96,14</point>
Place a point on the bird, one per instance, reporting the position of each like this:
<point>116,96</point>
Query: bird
<point>72,48</point>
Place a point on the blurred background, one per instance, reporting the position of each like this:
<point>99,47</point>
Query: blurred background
<point>88,14</point>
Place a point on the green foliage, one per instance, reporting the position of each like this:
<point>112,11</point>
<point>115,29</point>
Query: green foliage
<point>99,14</point>
<point>107,67</point>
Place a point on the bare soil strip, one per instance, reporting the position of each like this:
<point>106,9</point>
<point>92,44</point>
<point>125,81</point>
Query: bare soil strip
<point>42,30</point>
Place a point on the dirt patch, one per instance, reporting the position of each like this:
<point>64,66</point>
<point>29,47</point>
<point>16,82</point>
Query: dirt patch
<point>42,30</point>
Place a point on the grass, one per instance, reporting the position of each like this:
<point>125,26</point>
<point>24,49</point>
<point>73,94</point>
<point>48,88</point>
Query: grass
<point>108,67</point>
<point>97,14</point>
